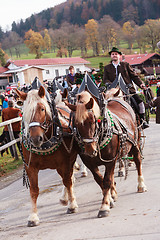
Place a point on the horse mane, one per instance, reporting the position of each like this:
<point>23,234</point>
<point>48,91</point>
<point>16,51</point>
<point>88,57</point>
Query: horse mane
<point>81,111</point>
<point>58,98</point>
<point>30,104</point>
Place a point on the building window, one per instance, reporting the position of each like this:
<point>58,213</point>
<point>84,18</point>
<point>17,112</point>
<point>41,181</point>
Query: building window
<point>67,71</point>
<point>10,80</point>
<point>57,73</point>
<point>47,71</point>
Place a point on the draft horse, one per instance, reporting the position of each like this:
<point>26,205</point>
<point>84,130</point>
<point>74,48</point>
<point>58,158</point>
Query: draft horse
<point>41,149</point>
<point>104,139</point>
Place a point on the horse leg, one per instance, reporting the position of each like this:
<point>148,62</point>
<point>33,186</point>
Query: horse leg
<point>33,219</point>
<point>64,196</point>
<point>113,190</point>
<point>89,163</point>
<point>84,172</point>
<point>108,184</point>
<point>68,179</point>
<point>121,168</point>
<point>137,159</point>
<point>83,169</point>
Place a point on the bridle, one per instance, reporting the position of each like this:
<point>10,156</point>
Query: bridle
<point>45,125</point>
<point>50,144</point>
<point>81,140</point>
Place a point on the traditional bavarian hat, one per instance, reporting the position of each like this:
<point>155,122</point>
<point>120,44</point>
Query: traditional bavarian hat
<point>114,49</point>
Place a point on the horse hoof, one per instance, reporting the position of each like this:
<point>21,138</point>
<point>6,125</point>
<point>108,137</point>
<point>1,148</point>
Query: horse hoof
<point>63,202</point>
<point>112,205</point>
<point>32,224</point>
<point>77,166</point>
<point>84,174</point>
<point>72,210</point>
<point>130,164</point>
<point>115,197</point>
<point>120,174</point>
<point>141,189</point>
<point>102,214</point>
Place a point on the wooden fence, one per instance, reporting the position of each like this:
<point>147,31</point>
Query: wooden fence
<point>13,140</point>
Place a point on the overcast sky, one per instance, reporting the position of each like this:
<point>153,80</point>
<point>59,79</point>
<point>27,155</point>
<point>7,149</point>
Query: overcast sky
<point>15,10</point>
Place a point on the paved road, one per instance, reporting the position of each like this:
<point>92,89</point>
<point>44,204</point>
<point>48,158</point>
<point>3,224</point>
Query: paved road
<point>135,216</point>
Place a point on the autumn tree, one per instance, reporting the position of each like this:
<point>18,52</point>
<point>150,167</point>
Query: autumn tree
<point>108,32</point>
<point>81,41</point>
<point>152,32</point>
<point>128,31</point>
<point>12,41</point>
<point>92,36</point>
<point>3,57</point>
<point>47,41</point>
<point>70,37</point>
<point>34,41</point>
<point>58,37</point>
<point>140,38</point>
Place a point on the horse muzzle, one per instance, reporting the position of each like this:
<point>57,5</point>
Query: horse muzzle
<point>36,141</point>
<point>90,146</point>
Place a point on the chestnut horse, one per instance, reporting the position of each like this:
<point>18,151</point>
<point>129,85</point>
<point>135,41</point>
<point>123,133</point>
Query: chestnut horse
<point>105,139</point>
<point>41,149</point>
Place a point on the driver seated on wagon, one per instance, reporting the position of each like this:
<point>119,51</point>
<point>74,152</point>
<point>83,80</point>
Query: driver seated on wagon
<point>116,67</point>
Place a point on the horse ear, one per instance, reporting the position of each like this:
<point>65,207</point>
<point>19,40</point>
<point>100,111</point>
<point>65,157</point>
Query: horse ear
<point>21,94</point>
<point>65,93</point>
<point>41,92</point>
<point>117,93</point>
<point>78,97</point>
<point>90,104</point>
<point>71,106</point>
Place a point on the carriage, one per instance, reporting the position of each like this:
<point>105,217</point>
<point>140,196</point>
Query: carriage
<point>101,131</point>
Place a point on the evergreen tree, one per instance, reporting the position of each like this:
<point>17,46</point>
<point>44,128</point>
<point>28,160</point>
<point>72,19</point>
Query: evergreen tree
<point>1,34</point>
<point>14,27</point>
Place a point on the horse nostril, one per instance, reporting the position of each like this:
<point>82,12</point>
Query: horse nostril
<point>95,153</point>
<point>36,140</point>
<point>40,138</point>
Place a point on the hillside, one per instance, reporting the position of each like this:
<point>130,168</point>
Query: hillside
<point>80,11</point>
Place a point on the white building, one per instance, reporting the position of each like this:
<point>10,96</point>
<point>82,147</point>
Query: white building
<point>25,71</point>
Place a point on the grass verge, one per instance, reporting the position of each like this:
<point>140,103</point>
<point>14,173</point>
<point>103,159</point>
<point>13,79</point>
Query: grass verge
<point>8,164</point>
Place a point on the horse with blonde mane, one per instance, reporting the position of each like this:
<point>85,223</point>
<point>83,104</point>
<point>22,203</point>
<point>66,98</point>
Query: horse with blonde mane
<point>44,148</point>
<point>105,139</point>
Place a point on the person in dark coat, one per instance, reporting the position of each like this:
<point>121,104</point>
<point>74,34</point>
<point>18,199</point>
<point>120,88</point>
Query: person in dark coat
<point>71,77</point>
<point>156,103</point>
<point>112,70</point>
<point>158,89</point>
<point>7,114</point>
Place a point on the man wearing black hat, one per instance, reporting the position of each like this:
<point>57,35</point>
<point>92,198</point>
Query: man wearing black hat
<point>112,70</point>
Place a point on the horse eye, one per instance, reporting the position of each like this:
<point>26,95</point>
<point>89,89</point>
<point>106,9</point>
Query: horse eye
<point>42,109</point>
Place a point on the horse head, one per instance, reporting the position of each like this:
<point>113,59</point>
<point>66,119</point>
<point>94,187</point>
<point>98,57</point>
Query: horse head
<point>113,92</point>
<point>86,114</point>
<point>36,115</point>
